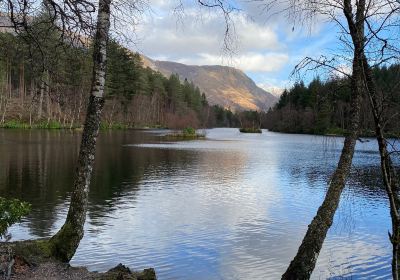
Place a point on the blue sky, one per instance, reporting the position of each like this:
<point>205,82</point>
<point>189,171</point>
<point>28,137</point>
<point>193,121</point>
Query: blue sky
<point>265,48</point>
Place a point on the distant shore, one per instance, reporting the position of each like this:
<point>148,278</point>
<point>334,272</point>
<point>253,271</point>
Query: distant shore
<point>339,133</point>
<point>55,125</point>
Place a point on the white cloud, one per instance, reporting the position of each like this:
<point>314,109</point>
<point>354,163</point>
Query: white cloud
<point>345,70</point>
<point>263,62</point>
<point>252,62</point>
<point>262,46</point>
<point>191,34</point>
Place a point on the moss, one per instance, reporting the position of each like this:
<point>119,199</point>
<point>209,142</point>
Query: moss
<point>147,274</point>
<point>32,250</point>
<point>123,272</point>
<point>38,255</point>
<point>64,243</point>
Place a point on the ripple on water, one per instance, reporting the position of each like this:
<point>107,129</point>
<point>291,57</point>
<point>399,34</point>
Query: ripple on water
<point>234,206</point>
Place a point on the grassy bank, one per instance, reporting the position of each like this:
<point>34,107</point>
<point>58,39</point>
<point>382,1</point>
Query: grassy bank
<point>188,133</point>
<point>18,124</point>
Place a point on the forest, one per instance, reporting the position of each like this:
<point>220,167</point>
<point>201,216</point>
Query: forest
<point>50,92</point>
<point>323,107</point>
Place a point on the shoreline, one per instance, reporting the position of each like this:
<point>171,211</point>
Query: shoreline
<point>23,260</point>
<point>53,125</point>
<point>364,134</point>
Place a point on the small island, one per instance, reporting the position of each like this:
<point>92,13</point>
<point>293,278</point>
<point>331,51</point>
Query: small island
<point>250,130</point>
<point>188,133</point>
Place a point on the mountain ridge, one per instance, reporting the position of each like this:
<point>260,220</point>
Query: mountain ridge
<point>223,85</point>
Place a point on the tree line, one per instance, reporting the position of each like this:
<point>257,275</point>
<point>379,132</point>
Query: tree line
<point>323,107</point>
<point>47,87</point>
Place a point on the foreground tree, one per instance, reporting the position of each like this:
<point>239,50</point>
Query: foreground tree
<point>352,18</point>
<point>65,242</point>
<point>357,17</point>
<point>304,262</point>
<point>389,176</point>
<point>71,17</point>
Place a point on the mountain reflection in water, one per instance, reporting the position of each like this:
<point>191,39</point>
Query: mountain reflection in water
<point>234,206</point>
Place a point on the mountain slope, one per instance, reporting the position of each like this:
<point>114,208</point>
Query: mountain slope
<point>225,86</point>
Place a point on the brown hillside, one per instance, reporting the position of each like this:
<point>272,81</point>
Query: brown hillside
<point>225,86</point>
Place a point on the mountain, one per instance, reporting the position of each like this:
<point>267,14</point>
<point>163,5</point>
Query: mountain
<point>223,85</point>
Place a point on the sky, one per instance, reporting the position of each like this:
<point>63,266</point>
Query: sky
<point>265,47</point>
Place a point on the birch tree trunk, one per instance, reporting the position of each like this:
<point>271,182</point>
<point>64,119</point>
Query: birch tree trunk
<point>304,262</point>
<point>65,242</point>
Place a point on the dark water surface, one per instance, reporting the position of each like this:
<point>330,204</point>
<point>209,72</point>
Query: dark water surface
<point>234,206</point>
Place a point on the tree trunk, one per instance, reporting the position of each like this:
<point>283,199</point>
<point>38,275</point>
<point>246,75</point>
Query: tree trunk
<point>48,101</point>
<point>40,107</point>
<point>22,81</point>
<point>389,175</point>
<point>304,262</point>
<point>65,242</point>
<point>9,80</point>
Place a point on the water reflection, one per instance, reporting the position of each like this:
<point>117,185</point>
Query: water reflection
<point>234,206</point>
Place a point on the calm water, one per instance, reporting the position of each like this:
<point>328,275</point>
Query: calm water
<point>233,206</point>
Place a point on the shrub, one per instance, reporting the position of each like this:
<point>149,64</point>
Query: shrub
<point>189,131</point>
<point>11,212</point>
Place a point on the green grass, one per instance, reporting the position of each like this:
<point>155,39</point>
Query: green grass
<point>48,125</point>
<point>106,126</point>
<point>15,124</point>
<point>187,133</point>
<point>19,124</point>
